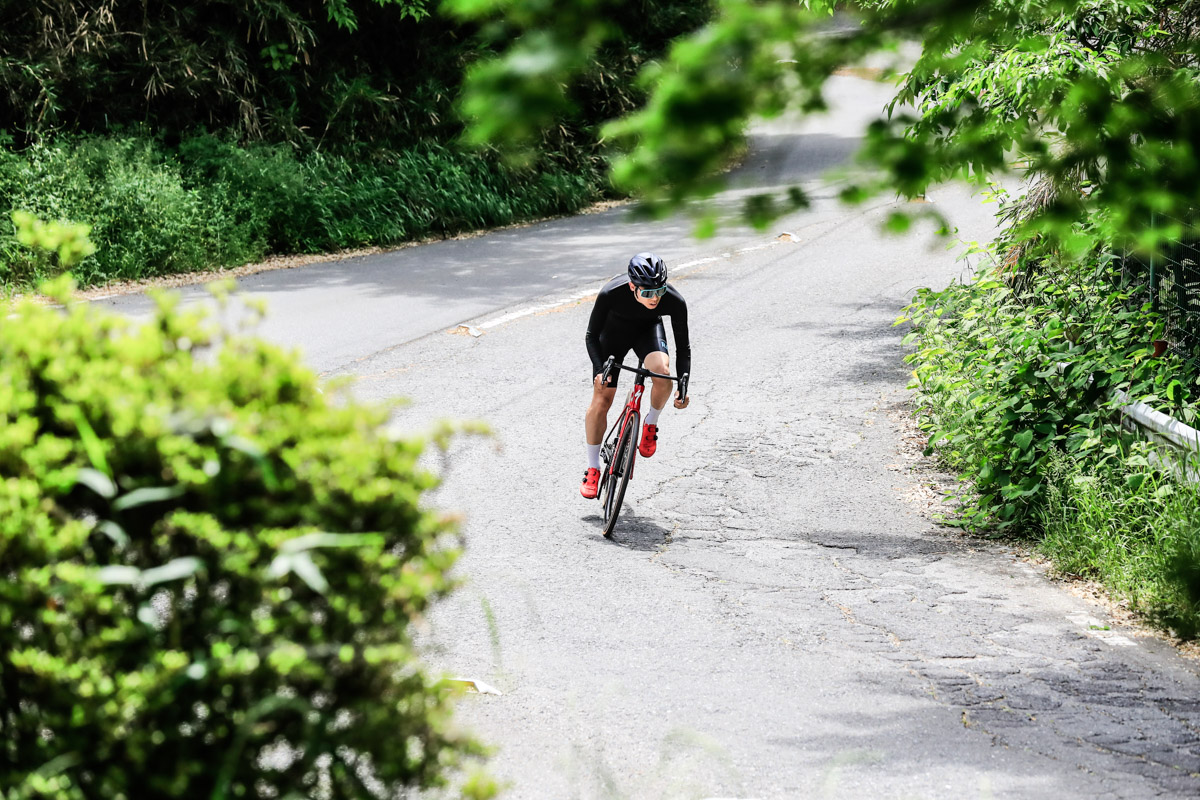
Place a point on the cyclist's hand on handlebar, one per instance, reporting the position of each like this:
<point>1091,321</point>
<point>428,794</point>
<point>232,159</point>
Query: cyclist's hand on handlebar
<point>598,382</point>
<point>681,395</point>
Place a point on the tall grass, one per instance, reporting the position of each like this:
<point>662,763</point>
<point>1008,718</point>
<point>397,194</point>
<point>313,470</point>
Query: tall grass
<point>207,203</point>
<point>1135,531</point>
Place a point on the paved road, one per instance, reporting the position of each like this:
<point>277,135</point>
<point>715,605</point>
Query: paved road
<point>774,617</point>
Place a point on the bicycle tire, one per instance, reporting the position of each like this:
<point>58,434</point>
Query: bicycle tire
<point>607,457</point>
<point>619,471</point>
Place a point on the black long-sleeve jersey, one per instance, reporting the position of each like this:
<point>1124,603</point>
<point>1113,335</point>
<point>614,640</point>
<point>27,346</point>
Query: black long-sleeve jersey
<point>617,309</point>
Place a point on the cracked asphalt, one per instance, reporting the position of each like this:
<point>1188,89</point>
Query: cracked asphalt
<point>775,616</point>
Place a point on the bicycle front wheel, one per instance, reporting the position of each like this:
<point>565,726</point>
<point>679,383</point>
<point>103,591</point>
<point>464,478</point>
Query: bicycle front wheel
<point>618,472</point>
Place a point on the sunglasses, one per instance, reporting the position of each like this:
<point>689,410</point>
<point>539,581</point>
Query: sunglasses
<point>648,293</point>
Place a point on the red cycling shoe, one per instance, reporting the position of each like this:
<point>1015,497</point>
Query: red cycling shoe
<point>649,440</point>
<point>591,480</point>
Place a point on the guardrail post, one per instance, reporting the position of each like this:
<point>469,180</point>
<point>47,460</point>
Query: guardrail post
<point>1153,285</point>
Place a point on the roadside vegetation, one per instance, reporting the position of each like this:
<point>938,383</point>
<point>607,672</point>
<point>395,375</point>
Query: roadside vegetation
<point>1018,370</point>
<point>212,568</point>
<point>1017,374</point>
<point>213,134</point>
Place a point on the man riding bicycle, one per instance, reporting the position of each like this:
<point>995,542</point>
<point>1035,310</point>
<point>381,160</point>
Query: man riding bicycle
<point>628,314</point>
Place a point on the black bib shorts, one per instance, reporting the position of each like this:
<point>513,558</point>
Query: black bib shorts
<point>618,341</point>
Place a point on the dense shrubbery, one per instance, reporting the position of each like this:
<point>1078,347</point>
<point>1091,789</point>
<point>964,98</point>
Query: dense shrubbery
<point>335,128</point>
<point>336,72</point>
<point>1007,375</point>
<point>155,211</point>
<point>208,572</point>
<point>1015,373</point>
<point>329,75</point>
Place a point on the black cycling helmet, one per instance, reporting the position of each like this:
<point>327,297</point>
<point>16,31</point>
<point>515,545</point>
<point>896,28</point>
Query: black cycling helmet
<point>647,271</point>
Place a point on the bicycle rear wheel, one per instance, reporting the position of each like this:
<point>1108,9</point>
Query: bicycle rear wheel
<point>618,471</point>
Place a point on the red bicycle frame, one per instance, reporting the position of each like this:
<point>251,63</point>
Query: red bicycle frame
<point>632,410</point>
<point>620,451</point>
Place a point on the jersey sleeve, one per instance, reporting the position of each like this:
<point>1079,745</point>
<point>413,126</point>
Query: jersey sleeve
<point>683,343</point>
<point>595,325</point>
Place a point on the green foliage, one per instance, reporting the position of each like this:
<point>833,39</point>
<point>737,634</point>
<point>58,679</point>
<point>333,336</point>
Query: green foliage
<point>212,203</point>
<point>267,70</point>
<point>1094,97</point>
<point>141,217</point>
<point>210,571</point>
<point>699,96</point>
<point>568,68</point>
<point>1012,369</point>
<point>1095,93</point>
<point>695,118</point>
<point>66,243</point>
<point>1135,531</point>
<point>341,12</point>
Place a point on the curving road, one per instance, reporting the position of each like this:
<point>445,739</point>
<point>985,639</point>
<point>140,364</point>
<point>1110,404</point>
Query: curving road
<point>775,616</point>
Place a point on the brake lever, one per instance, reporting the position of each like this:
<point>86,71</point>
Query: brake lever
<point>608,365</point>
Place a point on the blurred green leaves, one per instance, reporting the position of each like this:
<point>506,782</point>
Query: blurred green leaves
<point>67,242</point>
<point>699,96</point>
<point>205,556</point>
<point>1098,97</point>
<point>515,99</point>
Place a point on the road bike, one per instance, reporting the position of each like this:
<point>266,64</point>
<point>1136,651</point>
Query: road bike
<point>621,442</point>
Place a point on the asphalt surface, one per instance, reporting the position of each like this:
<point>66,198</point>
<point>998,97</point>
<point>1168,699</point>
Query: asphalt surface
<point>775,616</point>
<point>773,619</point>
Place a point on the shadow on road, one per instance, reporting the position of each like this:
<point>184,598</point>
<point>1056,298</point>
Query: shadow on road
<point>1103,717</point>
<point>632,532</point>
<point>871,337</point>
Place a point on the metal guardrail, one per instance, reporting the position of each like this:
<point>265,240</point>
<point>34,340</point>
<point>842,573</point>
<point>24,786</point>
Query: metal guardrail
<point>1165,431</point>
<point>1158,426</point>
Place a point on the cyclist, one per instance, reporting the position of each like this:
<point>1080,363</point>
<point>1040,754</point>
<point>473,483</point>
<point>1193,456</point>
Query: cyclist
<point>628,314</point>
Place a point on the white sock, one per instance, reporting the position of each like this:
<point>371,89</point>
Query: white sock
<point>593,456</point>
<point>652,415</point>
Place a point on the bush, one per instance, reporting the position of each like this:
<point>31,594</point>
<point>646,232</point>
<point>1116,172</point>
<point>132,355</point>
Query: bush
<point>210,203</point>
<point>322,202</point>
<point>208,572</point>
<point>144,221</point>
<point>1009,372</point>
<point>258,196</point>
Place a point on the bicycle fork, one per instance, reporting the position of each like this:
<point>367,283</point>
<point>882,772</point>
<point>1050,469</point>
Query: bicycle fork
<point>635,405</point>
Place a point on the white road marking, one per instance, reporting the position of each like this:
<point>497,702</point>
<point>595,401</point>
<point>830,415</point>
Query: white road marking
<point>1116,640</point>
<point>474,686</point>
<point>698,262</point>
<point>525,312</point>
<point>504,319</point>
<point>1098,629</point>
